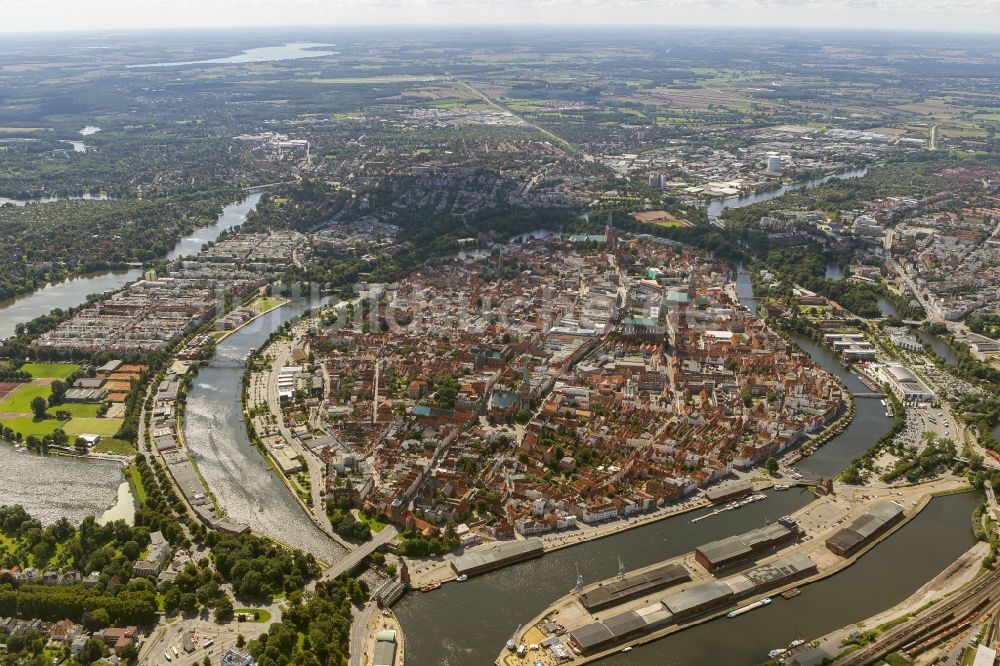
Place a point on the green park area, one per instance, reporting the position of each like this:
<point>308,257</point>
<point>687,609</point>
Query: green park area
<point>266,303</point>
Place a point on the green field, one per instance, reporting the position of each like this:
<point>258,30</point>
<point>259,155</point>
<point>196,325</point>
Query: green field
<point>118,446</point>
<point>26,425</point>
<point>77,409</point>
<point>93,426</point>
<point>265,304</point>
<point>136,480</point>
<point>19,402</point>
<point>83,415</point>
<point>50,370</point>
<point>263,615</point>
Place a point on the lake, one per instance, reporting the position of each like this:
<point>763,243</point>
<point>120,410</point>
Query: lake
<point>64,487</point>
<point>292,51</point>
<point>834,272</point>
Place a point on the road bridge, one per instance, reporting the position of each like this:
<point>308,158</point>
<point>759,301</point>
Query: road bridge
<point>353,559</point>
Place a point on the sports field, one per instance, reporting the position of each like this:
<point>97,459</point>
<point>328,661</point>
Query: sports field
<point>16,414</point>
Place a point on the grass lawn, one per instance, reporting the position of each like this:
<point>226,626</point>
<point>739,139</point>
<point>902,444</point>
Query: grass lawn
<point>26,425</point>
<point>140,490</point>
<point>78,409</point>
<point>374,524</point>
<point>50,370</point>
<point>7,545</point>
<point>118,446</point>
<point>20,400</point>
<point>263,615</point>
<point>94,426</point>
<point>265,304</point>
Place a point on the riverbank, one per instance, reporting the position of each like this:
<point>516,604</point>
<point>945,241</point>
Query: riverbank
<point>716,207</point>
<point>568,612</point>
<point>259,391</point>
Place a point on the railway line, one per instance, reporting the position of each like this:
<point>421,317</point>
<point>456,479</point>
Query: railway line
<point>936,623</point>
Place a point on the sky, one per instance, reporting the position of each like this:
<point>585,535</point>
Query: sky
<point>937,15</point>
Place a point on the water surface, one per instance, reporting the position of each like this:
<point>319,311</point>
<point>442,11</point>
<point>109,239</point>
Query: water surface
<point>470,623</point>
<point>54,487</point>
<point>247,489</point>
<point>232,215</point>
<point>292,51</point>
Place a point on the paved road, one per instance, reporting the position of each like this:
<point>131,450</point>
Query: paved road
<point>359,633</point>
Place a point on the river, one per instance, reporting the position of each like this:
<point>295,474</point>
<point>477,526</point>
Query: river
<point>716,206</point>
<point>469,623</point>
<point>243,483</point>
<point>232,215</point>
<point>74,292</point>
<point>744,289</point>
<point>939,346</point>
<point>887,307</point>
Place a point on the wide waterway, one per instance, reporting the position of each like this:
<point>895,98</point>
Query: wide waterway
<point>243,483</point>
<point>74,292</point>
<point>469,623</point>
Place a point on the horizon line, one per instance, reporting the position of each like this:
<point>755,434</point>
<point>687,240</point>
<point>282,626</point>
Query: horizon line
<point>649,26</point>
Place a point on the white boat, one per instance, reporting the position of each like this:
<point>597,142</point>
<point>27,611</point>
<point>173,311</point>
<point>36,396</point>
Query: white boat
<point>781,486</point>
<point>776,652</point>
<point>794,644</point>
<point>462,578</point>
<point>749,607</point>
<point>511,645</point>
<point>627,649</point>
